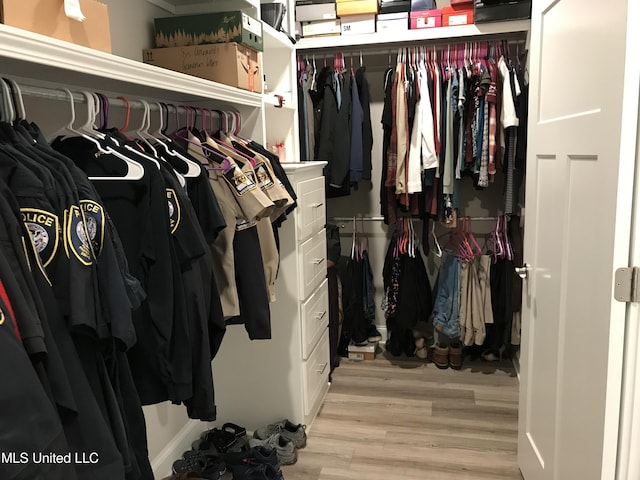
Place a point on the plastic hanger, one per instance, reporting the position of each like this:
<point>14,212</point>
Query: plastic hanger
<point>437,252</point>
<point>18,101</point>
<point>8,110</point>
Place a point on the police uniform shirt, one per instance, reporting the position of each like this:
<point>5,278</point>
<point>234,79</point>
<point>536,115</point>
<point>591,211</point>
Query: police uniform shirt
<point>40,430</point>
<point>254,204</point>
<point>205,320</point>
<point>139,211</point>
<point>83,422</point>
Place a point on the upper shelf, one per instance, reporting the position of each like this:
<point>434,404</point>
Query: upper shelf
<point>33,56</point>
<point>187,7</point>
<point>441,33</point>
<point>274,40</point>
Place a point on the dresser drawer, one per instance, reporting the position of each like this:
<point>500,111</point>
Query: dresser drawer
<point>311,207</point>
<point>316,373</point>
<point>315,318</point>
<point>313,263</point>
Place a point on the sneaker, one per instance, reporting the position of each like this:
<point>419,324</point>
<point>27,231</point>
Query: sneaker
<point>241,462</point>
<point>261,472</point>
<point>230,438</point>
<point>373,334</point>
<point>205,466</point>
<point>286,451</point>
<point>289,431</point>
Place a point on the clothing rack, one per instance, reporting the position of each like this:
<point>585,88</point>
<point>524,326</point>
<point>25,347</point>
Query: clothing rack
<point>342,221</point>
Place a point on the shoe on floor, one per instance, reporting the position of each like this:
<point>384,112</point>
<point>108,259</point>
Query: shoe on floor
<point>421,348</point>
<point>261,472</point>
<point>185,476</point>
<point>455,355</point>
<point>230,438</point>
<point>241,462</point>
<point>205,466</point>
<point>286,451</point>
<point>439,356</point>
<point>289,431</point>
<point>373,334</point>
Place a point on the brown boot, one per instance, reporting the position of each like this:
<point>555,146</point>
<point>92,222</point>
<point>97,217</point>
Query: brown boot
<point>455,355</point>
<point>439,356</point>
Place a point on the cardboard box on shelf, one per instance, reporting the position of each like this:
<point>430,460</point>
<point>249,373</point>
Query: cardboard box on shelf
<point>229,63</point>
<point>395,6</point>
<point>209,28</point>
<point>47,17</point>
<point>356,7</point>
<point>358,24</point>
<point>452,17</point>
<point>321,28</point>
<point>426,19</point>
<point>366,352</point>
<point>316,11</point>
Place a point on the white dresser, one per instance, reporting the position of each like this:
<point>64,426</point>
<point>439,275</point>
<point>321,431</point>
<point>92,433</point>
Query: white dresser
<point>263,381</point>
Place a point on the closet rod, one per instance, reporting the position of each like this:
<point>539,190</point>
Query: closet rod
<point>367,50</point>
<point>59,94</point>
<point>381,219</point>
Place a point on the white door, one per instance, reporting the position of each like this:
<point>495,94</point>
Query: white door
<point>577,230</point>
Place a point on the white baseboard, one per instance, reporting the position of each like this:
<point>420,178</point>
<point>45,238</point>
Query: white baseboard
<point>161,465</point>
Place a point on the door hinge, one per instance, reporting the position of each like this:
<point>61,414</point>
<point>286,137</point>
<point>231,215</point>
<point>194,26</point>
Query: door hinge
<point>626,288</point>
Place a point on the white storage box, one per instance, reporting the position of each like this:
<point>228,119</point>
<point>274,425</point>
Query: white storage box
<point>393,22</point>
<point>322,27</point>
<point>315,11</point>
<point>358,24</point>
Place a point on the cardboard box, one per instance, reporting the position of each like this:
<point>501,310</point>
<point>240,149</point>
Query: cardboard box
<point>367,352</point>
<point>209,28</point>
<point>452,17</point>
<point>320,28</point>
<point>229,63</point>
<point>427,19</point>
<point>315,11</point>
<point>393,22</point>
<point>423,5</point>
<point>356,7</point>
<point>358,24</point>
<point>47,17</point>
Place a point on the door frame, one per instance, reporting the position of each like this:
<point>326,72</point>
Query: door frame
<point>628,461</point>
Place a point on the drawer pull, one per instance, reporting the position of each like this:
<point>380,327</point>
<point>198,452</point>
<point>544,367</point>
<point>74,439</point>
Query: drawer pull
<point>317,205</point>
<point>318,261</point>
<point>324,367</point>
<point>320,316</point>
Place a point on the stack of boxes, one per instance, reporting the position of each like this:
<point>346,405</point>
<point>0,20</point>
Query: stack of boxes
<point>394,16</point>
<point>425,14</point>
<point>223,47</point>
<point>357,16</point>
<point>317,18</point>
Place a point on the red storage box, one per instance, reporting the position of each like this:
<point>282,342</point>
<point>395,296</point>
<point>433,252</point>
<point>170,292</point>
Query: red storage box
<point>452,17</point>
<point>426,19</point>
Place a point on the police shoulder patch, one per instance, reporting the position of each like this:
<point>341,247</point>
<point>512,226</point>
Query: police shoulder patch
<point>95,223</point>
<point>76,236</point>
<point>239,181</point>
<point>264,176</point>
<point>2,317</point>
<point>45,232</point>
<point>174,210</point>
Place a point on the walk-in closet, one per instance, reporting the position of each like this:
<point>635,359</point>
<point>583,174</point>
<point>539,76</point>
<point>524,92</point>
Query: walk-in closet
<point>260,244</point>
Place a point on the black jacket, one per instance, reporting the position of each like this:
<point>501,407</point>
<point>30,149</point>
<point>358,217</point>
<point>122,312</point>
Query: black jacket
<point>367,132</point>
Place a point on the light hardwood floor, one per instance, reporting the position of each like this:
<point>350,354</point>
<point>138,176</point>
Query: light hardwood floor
<point>403,419</point>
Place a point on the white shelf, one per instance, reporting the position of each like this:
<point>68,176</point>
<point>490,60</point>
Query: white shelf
<point>274,40</point>
<point>442,33</point>
<point>187,7</point>
<point>36,56</point>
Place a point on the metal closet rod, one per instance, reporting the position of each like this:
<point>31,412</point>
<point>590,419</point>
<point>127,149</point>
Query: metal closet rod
<point>352,50</point>
<point>381,219</point>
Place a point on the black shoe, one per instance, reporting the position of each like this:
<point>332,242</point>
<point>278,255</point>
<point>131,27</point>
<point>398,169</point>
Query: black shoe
<point>261,472</point>
<point>207,466</point>
<point>231,438</point>
<point>373,334</point>
<point>242,462</point>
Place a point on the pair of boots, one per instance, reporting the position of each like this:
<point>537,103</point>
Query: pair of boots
<point>446,356</point>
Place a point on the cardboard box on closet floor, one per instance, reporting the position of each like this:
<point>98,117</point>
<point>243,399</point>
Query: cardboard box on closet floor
<point>229,63</point>
<point>47,17</point>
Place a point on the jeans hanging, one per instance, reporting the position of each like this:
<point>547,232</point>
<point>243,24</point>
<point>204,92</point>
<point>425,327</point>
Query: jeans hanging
<point>446,309</point>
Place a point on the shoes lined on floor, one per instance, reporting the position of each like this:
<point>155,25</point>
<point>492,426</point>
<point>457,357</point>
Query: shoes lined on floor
<point>259,463</point>
<point>446,356</point>
<point>289,431</point>
<point>230,438</point>
<point>373,334</point>
<point>203,465</point>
